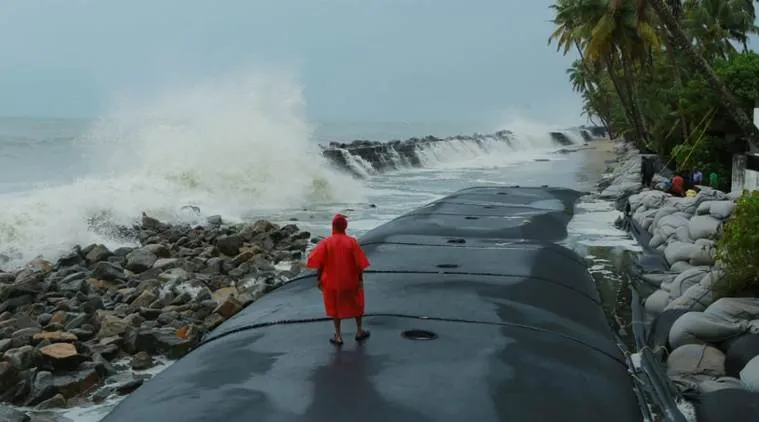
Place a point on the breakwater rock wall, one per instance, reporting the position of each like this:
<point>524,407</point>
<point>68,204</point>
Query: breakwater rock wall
<point>363,158</point>
<point>476,313</point>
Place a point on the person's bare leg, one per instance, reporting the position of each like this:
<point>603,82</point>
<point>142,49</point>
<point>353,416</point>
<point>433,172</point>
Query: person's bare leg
<point>361,334</point>
<point>338,332</point>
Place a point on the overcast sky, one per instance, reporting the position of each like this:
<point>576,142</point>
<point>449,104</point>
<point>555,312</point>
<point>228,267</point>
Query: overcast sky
<point>367,60</point>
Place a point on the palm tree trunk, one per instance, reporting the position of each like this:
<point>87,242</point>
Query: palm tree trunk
<point>677,12</point>
<point>607,126</point>
<point>629,84</point>
<point>624,99</point>
<point>726,98</point>
<point>602,110</point>
<point>676,6</point>
<point>684,127</point>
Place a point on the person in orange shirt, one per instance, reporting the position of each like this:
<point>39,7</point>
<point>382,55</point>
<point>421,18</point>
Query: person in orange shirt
<point>340,263</point>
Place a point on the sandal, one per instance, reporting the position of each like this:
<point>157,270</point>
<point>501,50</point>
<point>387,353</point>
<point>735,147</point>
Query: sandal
<point>363,335</point>
<point>336,341</point>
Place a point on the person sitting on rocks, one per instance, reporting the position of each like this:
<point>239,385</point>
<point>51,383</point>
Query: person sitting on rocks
<point>340,263</point>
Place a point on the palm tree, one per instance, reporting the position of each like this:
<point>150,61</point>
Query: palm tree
<point>716,24</point>
<point>572,30</point>
<point>585,81</point>
<point>677,12</point>
<point>726,98</point>
<point>607,33</point>
<point>622,34</point>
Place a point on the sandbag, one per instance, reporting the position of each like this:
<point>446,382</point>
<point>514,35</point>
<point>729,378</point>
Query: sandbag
<point>721,210</point>
<point>734,196</point>
<point>738,352</point>
<point>658,334</point>
<point>654,198</point>
<point>635,201</point>
<point>705,254</point>
<point>656,241</point>
<point>710,194</point>
<point>728,405</point>
<point>703,227</point>
<point>696,359</point>
<point>682,234</point>
<point>701,384</point>
<point>696,298</point>
<point>691,204</point>
<point>721,383</point>
<point>648,220</point>
<point>666,283</point>
<point>656,303</point>
<point>669,224</point>
<point>685,205</point>
<point>749,375</point>
<point>704,208</point>
<point>680,266</point>
<point>685,280</point>
<point>663,212</point>
<point>648,199</point>
<point>619,188</point>
<point>711,278</point>
<point>659,279</point>
<point>726,318</point>
<point>639,216</point>
<point>680,251</point>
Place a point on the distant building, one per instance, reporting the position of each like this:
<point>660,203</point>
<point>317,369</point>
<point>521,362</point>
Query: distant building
<point>745,171</point>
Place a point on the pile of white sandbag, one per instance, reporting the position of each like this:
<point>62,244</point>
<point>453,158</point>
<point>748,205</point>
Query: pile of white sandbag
<point>685,230</point>
<point>703,357</point>
<point>625,178</point>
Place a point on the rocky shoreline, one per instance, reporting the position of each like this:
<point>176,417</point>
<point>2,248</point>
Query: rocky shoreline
<point>707,345</point>
<point>78,329</point>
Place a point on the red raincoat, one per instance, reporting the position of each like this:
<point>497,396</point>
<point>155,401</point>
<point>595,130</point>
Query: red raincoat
<point>341,261</point>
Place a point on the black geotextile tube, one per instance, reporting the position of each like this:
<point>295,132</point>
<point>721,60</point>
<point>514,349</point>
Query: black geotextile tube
<point>638,385</point>
<point>428,318</point>
<point>662,388</point>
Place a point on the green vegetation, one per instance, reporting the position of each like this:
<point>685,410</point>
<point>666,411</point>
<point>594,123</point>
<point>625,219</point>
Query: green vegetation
<point>675,77</point>
<point>738,250</point>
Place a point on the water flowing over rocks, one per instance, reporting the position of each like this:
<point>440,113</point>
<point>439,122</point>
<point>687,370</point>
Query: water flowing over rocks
<point>89,319</point>
<point>362,157</point>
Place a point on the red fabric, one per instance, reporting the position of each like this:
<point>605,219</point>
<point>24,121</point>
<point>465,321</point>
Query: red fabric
<point>343,304</point>
<point>677,184</point>
<point>339,224</point>
<point>341,261</point>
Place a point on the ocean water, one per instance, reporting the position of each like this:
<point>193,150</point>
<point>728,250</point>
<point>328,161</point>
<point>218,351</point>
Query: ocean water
<point>245,150</point>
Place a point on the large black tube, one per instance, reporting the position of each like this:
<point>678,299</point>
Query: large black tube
<point>514,331</point>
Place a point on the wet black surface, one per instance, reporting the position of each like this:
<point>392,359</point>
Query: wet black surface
<point>728,405</point>
<point>520,334</point>
<point>540,214</point>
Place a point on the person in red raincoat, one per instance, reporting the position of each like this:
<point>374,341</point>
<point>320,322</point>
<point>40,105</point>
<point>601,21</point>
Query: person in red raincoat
<point>340,263</point>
